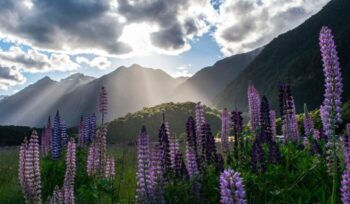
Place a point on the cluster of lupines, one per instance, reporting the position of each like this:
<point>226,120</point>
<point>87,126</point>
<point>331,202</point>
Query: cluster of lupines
<point>225,132</point>
<point>232,188</point>
<point>345,182</point>
<point>29,169</point>
<point>66,193</point>
<point>254,107</point>
<point>103,103</point>
<point>46,137</point>
<point>237,124</point>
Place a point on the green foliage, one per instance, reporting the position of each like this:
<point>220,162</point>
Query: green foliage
<point>126,129</point>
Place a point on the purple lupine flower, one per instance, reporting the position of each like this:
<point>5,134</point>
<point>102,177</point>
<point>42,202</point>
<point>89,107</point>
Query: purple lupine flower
<point>232,188</point>
<point>174,149</point>
<point>265,123</point>
<point>102,146</point>
<point>30,178</point>
<point>274,153</point>
<point>103,103</point>
<point>258,160</point>
<point>164,145</point>
<point>273,124</point>
<point>87,130</point>
<point>225,132</point>
<point>93,160</point>
<point>237,124</point>
<point>157,171</point>
<point>110,168</point>
<point>191,161</point>
<point>143,177</point>
<point>57,196</point>
<point>199,120</point>
<point>292,122</point>
<point>56,137</point>
<point>192,136</point>
<point>208,145</point>
<point>333,81</point>
<point>316,134</point>
<point>68,186</point>
<point>254,107</point>
<point>345,182</point>
<point>308,122</point>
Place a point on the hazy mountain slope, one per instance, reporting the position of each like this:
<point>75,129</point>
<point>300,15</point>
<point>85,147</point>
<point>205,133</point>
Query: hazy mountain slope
<point>209,81</point>
<point>31,105</point>
<point>294,57</point>
<point>129,89</point>
<point>126,129</point>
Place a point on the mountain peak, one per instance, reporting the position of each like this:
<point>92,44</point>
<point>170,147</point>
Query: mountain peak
<point>77,77</point>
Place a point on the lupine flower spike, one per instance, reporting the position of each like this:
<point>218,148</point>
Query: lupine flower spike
<point>103,103</point>
<point>254,107</point>
<point>232,188</point>
<point>225,132</point>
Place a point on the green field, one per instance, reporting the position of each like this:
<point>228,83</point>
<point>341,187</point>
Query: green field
<point>125,174</point>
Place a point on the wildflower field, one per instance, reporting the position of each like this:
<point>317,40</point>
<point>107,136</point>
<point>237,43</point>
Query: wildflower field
<point>271,159</point>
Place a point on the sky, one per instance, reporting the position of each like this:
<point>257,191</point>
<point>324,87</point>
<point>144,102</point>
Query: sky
<point>57,38</point>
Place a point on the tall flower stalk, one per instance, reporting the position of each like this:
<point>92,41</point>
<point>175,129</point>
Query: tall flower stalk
<point>56,137</point>
<point>29,169</point>
<point>157,171</point>
<point>225,132</point>
<point>199,121</point>
<point>143,176</point>
<point>254,107</point>
<point>232,188</point>
<point>69,178</point>
<point>273,124</point>
<point>332,97</point>
<point>345,182</point>
<point>237,124</point>
<point>174,150</point>
<point>308,122</point>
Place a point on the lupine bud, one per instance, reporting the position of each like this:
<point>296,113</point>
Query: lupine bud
<point>143,177</point>
<point>254,107</point>
<point>232,188</point>
<point>225,132</point>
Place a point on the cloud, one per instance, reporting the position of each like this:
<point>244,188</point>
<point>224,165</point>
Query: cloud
<point>95,26</point>
<point>10,76</point>
<point>97,62</point>
<point>183,71</point>
<point>34,61</point>
<point>244,25</point>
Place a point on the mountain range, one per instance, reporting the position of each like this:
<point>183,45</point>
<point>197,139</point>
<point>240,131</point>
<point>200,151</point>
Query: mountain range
<point>292,57</point>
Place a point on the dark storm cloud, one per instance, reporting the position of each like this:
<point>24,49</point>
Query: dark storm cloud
<point>73,24</point>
